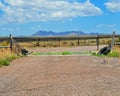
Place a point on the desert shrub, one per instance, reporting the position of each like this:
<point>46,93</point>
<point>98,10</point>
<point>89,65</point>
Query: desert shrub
<point>6,56</point>
<point>6,60</point>
<point>114,54</point>
<point>3,62</point>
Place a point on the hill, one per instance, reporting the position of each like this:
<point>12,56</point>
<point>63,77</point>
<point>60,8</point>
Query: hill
<point>66,33</point>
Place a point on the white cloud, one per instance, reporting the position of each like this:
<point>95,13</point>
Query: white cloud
<point>113,5</point>
<point>9,29</point>
<point>44,10</point>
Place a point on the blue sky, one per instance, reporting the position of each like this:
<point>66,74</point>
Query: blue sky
<point>25,17</point>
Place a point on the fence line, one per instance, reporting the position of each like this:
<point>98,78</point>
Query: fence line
<point>26,39</point>
<point>58,39</point>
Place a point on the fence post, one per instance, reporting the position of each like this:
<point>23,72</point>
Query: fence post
<point>59,41</point>
<point>113,40</point>
<point>119,38</point>
<point>38,43</point>
<point>78,42</point>
<point>97,41</point>
<point>14,46</point>
<point>11,43</point>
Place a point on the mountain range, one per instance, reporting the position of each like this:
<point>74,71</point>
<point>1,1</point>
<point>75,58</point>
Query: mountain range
<point>66,33</point>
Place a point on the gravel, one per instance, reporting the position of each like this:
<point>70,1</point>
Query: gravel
<point>61,76</point>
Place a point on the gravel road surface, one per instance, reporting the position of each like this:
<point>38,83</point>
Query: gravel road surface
<point>61,76</point>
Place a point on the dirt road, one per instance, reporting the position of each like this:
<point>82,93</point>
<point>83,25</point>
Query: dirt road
<point>61,76</point>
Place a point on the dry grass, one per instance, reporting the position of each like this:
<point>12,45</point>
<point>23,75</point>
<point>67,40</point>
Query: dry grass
<point>117,48</point>
<point>5,52</point>
<point>4,43</point>
<point>67,43</point>
<point>6,55</point>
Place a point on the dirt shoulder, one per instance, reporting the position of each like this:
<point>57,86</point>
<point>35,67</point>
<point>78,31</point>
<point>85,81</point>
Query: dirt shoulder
<point>74,49</point>
<point>61,76</point>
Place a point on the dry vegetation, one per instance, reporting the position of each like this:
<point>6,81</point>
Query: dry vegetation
<point>115,52</point>
<point>117,48</point>
<point>6,52</point>
<point>6,55</point>
<point>67,43</point>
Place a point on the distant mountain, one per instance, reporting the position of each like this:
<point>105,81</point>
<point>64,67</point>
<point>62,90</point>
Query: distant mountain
<point>66,33</point>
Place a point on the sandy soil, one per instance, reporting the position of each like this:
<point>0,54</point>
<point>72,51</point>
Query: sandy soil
<point>61,75</point>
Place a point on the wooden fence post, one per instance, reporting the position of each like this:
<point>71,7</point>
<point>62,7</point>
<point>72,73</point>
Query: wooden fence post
<point>97,41</point>
<point>11,43</point>
<point>38,43</point>
<point>14,46</point>
<point>78,42</point>
<point>119,38</point>
<point>59,41</point>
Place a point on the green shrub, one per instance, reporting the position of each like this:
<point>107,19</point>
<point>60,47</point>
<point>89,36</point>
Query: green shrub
<point>114,54</point>
<point>10,58</point>
<point>6,61</point>
<point>66,53</point>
